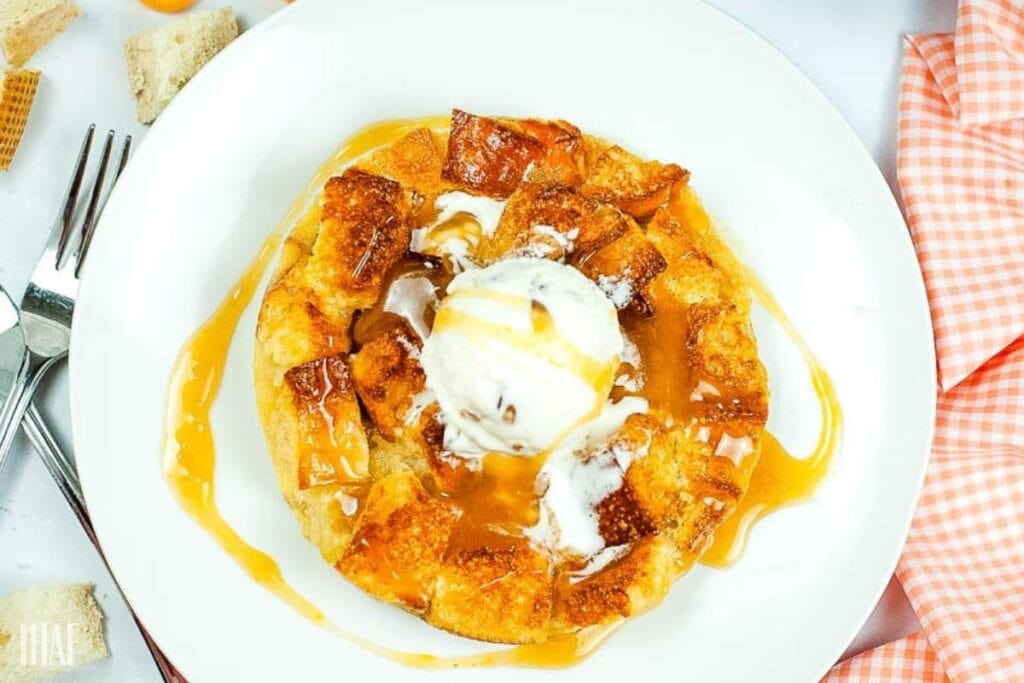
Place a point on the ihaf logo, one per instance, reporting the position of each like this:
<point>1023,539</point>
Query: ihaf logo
<point>48,644</point>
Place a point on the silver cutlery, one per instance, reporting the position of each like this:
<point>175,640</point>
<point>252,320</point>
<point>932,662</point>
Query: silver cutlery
<point>49,299</point>
<point>39,336</point>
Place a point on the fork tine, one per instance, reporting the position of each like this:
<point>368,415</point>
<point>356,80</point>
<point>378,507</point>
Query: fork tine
<point>90,226</point>
<point>91,211</point>
<point>65,220</point>
<point>125,149</point>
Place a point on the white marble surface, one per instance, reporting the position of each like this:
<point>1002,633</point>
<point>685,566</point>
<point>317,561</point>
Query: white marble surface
<point>850,50</point>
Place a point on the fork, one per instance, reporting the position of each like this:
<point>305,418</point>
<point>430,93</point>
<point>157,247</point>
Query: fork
<point>45,318</point>
<point>48,303</point>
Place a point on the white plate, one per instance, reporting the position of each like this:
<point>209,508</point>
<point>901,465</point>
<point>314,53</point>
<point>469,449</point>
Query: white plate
<point>801,200</point>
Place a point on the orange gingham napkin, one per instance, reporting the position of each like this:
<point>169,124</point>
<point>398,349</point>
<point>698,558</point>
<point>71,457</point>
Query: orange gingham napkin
<point>961,175</point>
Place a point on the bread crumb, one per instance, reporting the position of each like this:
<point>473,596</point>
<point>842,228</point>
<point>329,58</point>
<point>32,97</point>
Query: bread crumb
<point>28,25</point>
<point>49,630</point>
<point>162,60</point>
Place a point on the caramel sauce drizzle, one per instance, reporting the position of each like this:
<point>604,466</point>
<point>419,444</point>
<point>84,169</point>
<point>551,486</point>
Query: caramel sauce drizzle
<point>188,449</point>
<point>461,227</point>
<point>189,454</point>
<point>497,502</point>
<point>779,479</point>
<point>666,370</point>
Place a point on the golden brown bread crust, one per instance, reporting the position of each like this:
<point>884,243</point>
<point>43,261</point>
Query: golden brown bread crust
<point>637,187</point>
<point>387,376</point>
<point>486,157</point>
<point>396,528</point>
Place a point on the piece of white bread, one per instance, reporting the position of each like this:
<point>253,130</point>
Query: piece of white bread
<point>49,609</point>
<point>27,25</point>
<point>17,92</point>
<point>162,60</point>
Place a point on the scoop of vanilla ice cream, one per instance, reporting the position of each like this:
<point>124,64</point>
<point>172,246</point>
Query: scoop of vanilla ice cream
<point>521,354</point>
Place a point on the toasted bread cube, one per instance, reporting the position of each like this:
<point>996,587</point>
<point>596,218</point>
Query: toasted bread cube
<point>694,277</point>
<point>17,93</point>
<point>486,157</point>
<point>504,593</point>
<point>397,548</point>
<point>387,375</point>
<point>415,161</point>
<point>637,187</point>
<point>553,222</point>
<point>292,327</point>
<point>621,516</point>
<point>331,440</point>
<point>720,347</point>
<point>624,267</point>
<point>564,153</point>
<point>28,25</point>
<point>657,481</point>
<point>448,469</point>
<point>629,585</point>
<point>364,230</point>
<point>162,60</point>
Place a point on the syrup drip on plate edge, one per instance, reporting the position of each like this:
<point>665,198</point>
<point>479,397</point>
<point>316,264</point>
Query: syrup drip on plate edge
<point>189,452</point>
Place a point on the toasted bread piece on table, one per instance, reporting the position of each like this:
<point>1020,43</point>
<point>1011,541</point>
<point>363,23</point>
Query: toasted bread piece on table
<point>70,609</point>
<point>17,92</point>
<point>28,25</point>
<point>163,59</point>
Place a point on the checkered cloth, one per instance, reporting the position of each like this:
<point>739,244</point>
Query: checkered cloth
<point>961,174</point>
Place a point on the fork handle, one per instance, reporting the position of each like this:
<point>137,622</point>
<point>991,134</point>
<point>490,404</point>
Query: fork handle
<point>26,379</point>
<point>64,473</point>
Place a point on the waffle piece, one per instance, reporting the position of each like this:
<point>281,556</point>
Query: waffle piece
<point>27,25</point>
<point>17,92</point>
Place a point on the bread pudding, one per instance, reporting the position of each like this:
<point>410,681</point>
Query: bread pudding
<point>507,377</point>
